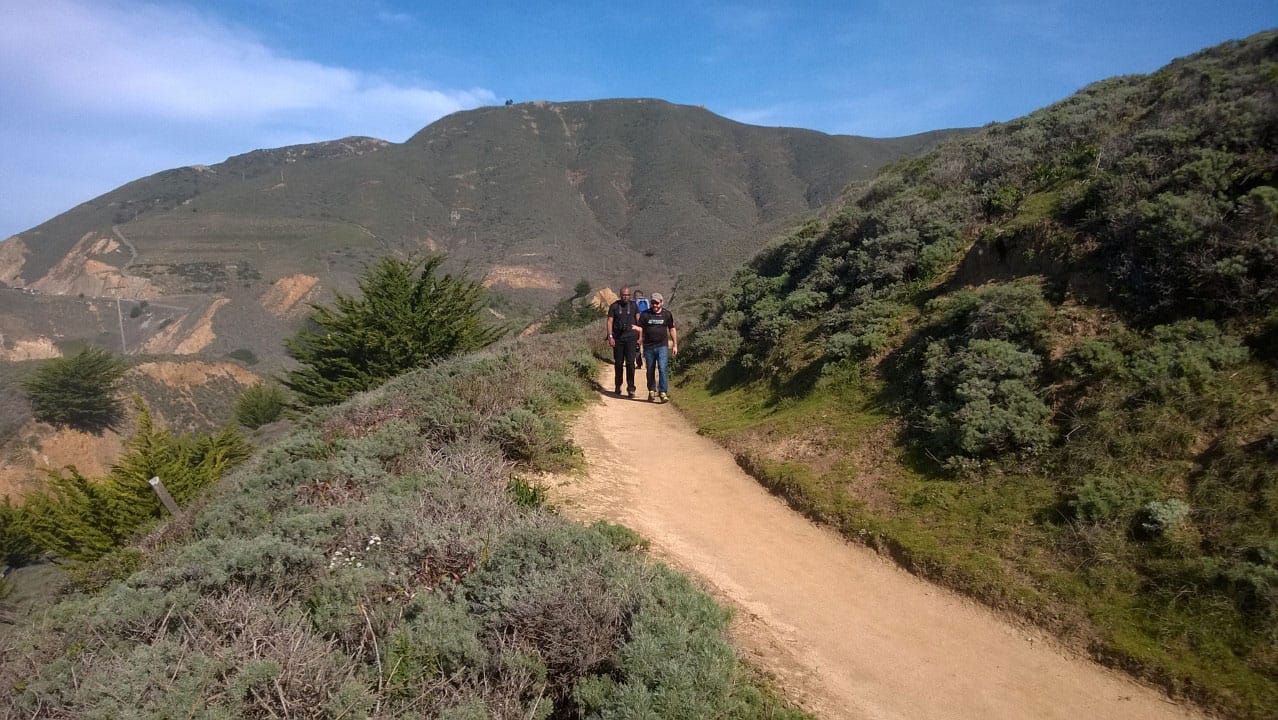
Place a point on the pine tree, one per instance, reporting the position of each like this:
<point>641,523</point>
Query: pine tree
<point>408,314</point>
<point>82,519</point>
<point>77,391</point>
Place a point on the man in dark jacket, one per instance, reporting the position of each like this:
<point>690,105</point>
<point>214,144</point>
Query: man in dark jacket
<point>623,336</point>
<point>660,341</point>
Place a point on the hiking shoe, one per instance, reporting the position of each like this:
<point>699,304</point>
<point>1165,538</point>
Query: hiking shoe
<point>652,396</point>
<point>665,397</point>
<point>631,394</point>
<point>617,392</point>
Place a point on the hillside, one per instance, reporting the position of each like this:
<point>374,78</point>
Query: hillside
<point>389,559</point>
<point>1040,364</point>
<point>183,394</point>
<point>532,197</point>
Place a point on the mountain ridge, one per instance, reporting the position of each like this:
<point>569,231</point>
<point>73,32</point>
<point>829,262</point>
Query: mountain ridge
<point>531,197</point>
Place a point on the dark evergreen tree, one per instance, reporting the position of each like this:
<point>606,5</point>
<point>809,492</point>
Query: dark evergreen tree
<point>407,315</point>
<point>77,391</point>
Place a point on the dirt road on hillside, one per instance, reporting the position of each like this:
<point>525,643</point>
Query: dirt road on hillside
<point>848,633</point>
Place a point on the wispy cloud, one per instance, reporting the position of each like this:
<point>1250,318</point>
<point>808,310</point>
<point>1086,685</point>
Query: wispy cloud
<point>87,74</point>
<point>175,63</point>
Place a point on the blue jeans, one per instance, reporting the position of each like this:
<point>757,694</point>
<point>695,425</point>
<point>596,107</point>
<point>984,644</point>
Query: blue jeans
<point>658,360</point>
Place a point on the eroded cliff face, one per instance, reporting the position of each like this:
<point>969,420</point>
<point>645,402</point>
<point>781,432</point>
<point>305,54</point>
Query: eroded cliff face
<point>286,297</point>
<point>93,268</point>
<point>13,256</point>
<point>603,297</point>
<point>33,348</point>
<point>521,277</point>
<point>189,335</point>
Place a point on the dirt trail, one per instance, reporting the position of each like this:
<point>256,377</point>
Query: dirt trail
<point>847,632</point>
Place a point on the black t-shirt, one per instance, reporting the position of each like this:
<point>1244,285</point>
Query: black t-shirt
<point>623,314</point>
<point>656,327</point>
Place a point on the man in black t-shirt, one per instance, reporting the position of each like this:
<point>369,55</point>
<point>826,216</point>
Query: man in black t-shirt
<point>623,336</point>
<point>660,341</point>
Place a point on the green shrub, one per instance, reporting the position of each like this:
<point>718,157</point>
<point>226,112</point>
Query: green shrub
<point>17,547</point>
<point>526,494</point>
<point>1163,518</point>
<point>1104,499</point>
<point>260,405</point>
<point>1015,312</point>
<point>407,315</point>
<point>620,536</point>
<point>95,575</point>
<point>572,313</point>
<point>1181,359</point>
<point>82,519</point>
<point>983,400</point>
<point>530,437</point>
<point>78,391</point>
<point>870,327</point>
<point>1094,360</point>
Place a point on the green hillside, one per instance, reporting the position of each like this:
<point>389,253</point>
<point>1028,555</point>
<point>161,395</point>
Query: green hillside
<point>531,197</point>
<point>389,559</point>
<point>1038,363</point>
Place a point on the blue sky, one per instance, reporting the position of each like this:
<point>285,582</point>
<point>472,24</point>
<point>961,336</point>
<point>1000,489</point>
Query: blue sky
<point>97,93</point>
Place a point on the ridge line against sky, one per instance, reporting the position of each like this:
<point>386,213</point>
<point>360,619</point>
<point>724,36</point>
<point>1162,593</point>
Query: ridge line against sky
<point>100,93</point>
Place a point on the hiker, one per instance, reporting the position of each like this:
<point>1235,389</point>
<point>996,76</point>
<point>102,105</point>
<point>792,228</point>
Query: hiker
<point>660,341</point>
<point>641,306</point>
<point>623,336</point>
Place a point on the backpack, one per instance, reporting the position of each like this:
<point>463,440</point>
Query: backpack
<point>642,304</point>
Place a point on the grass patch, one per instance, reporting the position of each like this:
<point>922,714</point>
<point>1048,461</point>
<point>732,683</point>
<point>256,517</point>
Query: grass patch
<point>990,536</point>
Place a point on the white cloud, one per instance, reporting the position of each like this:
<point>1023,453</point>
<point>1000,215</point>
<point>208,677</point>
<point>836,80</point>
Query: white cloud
<point>178,64</point>
<point>83,74</point>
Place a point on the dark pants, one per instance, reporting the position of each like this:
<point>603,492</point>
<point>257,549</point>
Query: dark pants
<point>624,353</point>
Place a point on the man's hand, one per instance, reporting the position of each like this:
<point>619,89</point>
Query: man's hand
<point>674,350</point>
<point>612,341</point>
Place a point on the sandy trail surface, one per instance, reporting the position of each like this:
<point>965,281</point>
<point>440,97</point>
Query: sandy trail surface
<point>846,633</point>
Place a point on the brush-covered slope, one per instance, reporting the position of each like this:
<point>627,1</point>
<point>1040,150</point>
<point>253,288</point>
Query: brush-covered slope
<point>532,197</point>
<point>1039,361</point>
<point>387,559</point>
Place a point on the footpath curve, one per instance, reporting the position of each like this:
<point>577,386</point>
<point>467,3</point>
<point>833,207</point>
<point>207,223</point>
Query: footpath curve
<point>847,633</point>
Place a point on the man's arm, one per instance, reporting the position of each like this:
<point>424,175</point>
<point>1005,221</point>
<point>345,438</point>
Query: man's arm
<point>674,339</point>
<point>611,341</point>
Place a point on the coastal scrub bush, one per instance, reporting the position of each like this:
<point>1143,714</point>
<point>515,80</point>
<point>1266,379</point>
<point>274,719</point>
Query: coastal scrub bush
<point>260,405</point>
<point>983,400</point>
